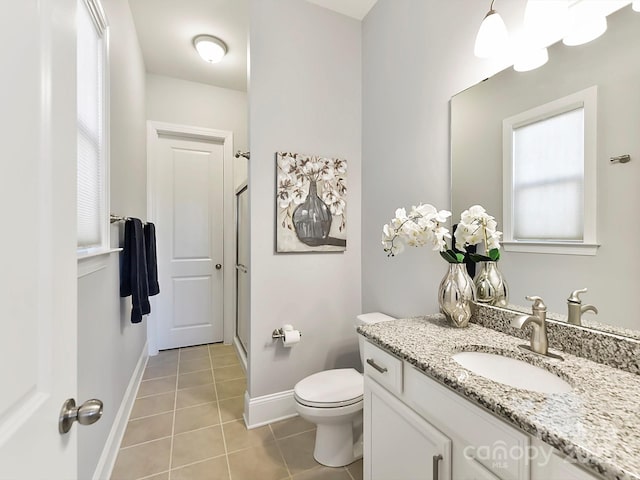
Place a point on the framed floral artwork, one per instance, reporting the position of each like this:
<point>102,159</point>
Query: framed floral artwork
<point>311,202</point>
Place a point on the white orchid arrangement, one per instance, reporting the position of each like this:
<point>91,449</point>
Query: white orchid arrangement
<point>424,225</point>
<point>295,174</point>
<point>477,226</point>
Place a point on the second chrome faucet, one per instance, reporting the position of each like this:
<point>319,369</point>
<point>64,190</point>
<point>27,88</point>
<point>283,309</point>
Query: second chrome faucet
<point>576,309</point>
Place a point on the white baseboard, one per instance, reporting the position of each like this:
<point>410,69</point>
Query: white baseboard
<point>260,411</point>
<point>112,445</point>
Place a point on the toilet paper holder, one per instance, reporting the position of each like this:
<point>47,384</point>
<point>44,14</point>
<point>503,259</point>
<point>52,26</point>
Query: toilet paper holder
<point>279,332</point>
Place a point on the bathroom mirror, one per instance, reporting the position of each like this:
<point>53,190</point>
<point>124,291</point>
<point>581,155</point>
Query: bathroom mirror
<point>612,63</point>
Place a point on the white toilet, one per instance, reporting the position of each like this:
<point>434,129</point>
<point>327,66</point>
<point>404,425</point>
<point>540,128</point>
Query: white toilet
<point>332,399</point>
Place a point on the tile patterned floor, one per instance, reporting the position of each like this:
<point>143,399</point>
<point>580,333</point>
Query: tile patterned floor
<point>186,424</point>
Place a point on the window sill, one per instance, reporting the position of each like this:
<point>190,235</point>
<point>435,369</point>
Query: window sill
<point>557,248</point>
<point>92,262</point>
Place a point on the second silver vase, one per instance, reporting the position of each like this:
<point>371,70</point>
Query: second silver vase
<point>491,287</point>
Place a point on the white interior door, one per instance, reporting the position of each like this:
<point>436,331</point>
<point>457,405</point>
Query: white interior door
<point>38,282</point>
<point>242,267</point>
<point>188,212</point>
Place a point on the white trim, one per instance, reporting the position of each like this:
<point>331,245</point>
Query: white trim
<point>267,409</point>
<point>587,98</point>
<point>154,130</point>
<point>94,261</point>
<point>107,459</point>
<point>558,248</point>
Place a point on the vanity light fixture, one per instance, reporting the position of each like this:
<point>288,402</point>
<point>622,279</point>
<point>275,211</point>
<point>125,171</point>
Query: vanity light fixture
<point>636,5</point>
<point>586,23</point>
<point>545,21</point>
<point>530,58</point>
<point>210,48</point>
<point>492,38</point>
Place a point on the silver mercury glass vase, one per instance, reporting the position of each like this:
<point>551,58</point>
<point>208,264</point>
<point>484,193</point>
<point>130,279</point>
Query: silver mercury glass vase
<point>456,294</point>
<point>491,287</point>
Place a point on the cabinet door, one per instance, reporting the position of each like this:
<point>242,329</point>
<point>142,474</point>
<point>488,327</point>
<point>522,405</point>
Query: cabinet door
<point>399,444</point>
<point>549,464</point>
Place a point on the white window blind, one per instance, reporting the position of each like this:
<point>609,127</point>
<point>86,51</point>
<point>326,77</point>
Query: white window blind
<point>91,129</point>
<point>548,174</point>
<point>549,177</point>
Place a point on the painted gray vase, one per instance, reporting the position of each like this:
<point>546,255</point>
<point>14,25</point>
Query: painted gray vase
<point>312,219</point>
<point>491,287</point>
<point>456,295</point>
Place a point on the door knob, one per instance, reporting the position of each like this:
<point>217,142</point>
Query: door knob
<point>218,266</point>
<point>86,414</point>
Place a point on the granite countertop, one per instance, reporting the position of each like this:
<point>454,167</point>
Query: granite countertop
<point>597,423</point>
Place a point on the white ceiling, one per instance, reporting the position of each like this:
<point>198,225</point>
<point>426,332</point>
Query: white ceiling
<point>166,29</point>
<point>352,8</point>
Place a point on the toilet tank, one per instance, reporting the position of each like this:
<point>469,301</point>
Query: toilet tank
<point>369,319</point>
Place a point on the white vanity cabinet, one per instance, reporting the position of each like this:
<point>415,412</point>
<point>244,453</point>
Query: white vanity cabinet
<point>415,428</point>
<point>399,443</point>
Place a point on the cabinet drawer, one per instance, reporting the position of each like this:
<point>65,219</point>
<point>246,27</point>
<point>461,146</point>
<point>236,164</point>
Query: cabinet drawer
<point>383,367</point>
<point>482,440</point>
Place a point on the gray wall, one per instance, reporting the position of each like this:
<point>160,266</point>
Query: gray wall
<point>195,104</point>
<point>305,97</point>
<point>416,55</point>
<point>611,63</point>
<point>109,346</point>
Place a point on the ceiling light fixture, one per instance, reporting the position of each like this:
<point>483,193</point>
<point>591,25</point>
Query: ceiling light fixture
<point>210,48</point>
<point>492,38</point>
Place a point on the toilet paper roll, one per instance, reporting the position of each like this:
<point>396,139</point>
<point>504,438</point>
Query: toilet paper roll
<point>291,337</point>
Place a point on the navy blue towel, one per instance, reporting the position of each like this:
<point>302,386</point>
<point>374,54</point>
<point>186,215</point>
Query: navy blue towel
<point>152,258</point>
<point>133,280</point>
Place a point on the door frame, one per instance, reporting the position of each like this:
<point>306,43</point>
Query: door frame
<point>154,131</point>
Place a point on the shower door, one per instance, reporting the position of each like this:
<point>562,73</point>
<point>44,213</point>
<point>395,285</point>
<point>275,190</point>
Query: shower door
<point>242,267</point>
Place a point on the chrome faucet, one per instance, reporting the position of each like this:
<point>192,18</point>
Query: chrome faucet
<point>576,309</point>
<point>539,342</point>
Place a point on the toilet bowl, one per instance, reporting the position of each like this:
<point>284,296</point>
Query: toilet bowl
<point>333,400</point>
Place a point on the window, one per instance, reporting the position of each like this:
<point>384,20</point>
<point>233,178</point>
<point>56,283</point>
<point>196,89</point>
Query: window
<point>92,180</point>
<point>549,177</point>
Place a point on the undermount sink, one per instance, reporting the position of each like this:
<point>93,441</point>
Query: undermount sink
<point>512,372</point>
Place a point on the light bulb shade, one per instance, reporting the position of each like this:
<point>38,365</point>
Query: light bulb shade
<point>210,48</point>
<point>546,21</point>
<point>636,5</point>
<point>530,59</point>
<point>492,39</point>
<point>585,25</point>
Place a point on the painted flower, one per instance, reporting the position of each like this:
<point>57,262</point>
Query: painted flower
<point>288,163</point>
<point>334,201</point>
<point>340,165</point>
<point>286,185</point>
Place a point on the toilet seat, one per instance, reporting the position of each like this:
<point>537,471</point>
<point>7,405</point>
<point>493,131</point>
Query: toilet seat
<point>330,388</point>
